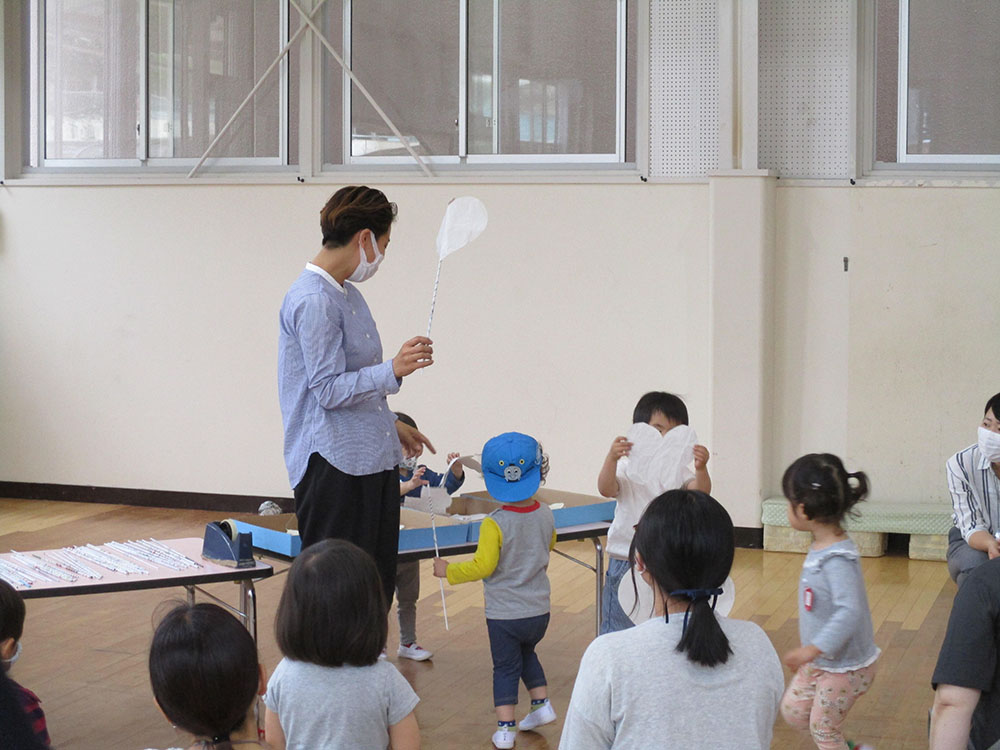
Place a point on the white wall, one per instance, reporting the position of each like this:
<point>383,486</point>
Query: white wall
<point>139,325</point>
<point>891,363</point>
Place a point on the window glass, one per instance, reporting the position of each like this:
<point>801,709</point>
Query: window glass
<point>204,58</point>
<point>541,79</point>
<point>92,76</point>
<point>332,82</point>
<point>480,100</point>
<point>952,98</point>
<point>953,81</point>
<point>406,55</point>
<point>558,77</point>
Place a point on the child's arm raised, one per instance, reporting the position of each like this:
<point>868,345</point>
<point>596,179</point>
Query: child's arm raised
<point>405,734</point>
<point>702,481</point>
<point>607,480</point>
<point>482,565</point>
<point>413,483</point>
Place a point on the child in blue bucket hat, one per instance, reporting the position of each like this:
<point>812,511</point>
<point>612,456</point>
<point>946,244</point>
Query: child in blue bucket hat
<point>512,559</point>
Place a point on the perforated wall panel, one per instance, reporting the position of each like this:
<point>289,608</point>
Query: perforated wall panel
<point>804,87</point>
<point>684,88</point>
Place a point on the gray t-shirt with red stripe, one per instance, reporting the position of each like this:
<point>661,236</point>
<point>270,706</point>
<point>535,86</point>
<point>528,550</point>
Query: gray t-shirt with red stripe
<point>519,587</point>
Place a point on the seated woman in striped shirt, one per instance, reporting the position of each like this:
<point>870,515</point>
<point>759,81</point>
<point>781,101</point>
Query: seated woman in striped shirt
<point>974,483</point>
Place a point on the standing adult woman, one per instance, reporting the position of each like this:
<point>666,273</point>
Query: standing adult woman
<point>342,442</point>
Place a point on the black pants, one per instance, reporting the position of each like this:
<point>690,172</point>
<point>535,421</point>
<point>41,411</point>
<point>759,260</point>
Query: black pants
<point>330,504</point>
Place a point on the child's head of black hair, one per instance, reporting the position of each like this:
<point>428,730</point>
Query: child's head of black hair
<point>332,611</point>
<point>12,613</point>
<point>667,404</point>
<point>686,541</point>
<point>406,419</point>
<point>821,484</point>
<point>993,405</point>
<point>204,670</point>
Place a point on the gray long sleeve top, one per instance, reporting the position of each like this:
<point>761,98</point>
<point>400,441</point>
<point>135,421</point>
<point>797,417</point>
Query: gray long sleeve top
<point>833,609</point>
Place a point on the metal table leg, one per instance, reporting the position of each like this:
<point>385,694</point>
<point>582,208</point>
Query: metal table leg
<point>599,570</point>
<point>248,605</point>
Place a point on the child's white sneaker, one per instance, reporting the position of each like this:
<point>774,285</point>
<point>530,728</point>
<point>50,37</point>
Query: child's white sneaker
<point>503,738</point>
<point>413,651</point>
<point>544,714</point>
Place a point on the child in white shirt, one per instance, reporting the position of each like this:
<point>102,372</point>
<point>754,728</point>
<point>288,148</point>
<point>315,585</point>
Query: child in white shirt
<point>668,416</point>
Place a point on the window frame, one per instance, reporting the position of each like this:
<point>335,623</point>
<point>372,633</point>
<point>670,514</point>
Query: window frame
<point>143,161</point>
<point>948,172</point>
<point>15,169</point>
<point>616,159</point>
<point>903,109</point>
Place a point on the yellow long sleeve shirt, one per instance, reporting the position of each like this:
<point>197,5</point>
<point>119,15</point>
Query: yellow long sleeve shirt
<point>487,555</point>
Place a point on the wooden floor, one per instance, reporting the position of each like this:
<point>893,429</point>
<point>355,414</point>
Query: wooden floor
<point>85,656</point>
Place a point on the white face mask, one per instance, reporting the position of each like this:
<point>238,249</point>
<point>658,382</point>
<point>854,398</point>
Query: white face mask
<point>366,269</point>
<point>989,444</point>
<point>408,464</point>
<point>15,657</point>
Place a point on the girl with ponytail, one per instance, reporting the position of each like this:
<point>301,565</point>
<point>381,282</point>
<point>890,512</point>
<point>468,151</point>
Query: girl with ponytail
<point>686,677</point>
<point>835,664</point>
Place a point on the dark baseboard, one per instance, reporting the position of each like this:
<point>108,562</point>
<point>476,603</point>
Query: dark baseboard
<point>752,538</point>
<point>144,498</point>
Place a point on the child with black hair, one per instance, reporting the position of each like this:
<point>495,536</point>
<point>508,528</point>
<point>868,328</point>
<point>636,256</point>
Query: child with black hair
<point>835,664</point>
<point>686,677</point>
<point>205,676</point>
<point>12,614</point>
<point>511,559</point>
<point>411,478</point>
<point>667,415</point>
<point>331,689</point>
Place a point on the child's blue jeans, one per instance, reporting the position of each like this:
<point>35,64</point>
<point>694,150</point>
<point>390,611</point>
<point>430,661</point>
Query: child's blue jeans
<point>613,617</point>
<point>512,644</point>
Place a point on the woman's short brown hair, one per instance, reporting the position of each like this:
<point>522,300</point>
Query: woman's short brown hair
<point>332,611</point>
<point>352,209</point>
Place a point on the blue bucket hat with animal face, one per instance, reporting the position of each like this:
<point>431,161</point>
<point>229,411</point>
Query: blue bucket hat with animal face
<point>512,467</point>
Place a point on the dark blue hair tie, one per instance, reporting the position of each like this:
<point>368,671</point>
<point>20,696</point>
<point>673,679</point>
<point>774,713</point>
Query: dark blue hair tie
<point>694,595</point>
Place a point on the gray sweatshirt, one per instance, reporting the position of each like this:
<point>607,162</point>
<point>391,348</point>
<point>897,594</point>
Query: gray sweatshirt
<point>833,609</point>
<point>635,691</point>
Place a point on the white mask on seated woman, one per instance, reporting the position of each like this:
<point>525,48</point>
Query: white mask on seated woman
<point>989,444</point>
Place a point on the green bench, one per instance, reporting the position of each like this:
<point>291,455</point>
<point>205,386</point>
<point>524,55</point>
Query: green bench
<point>927,524</point>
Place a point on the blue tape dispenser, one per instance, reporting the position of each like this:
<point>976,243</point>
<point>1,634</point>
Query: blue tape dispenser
<point>224,545</point>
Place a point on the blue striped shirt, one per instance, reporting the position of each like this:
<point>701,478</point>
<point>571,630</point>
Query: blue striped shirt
<point>332,382</point>
<point>975,492</point>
